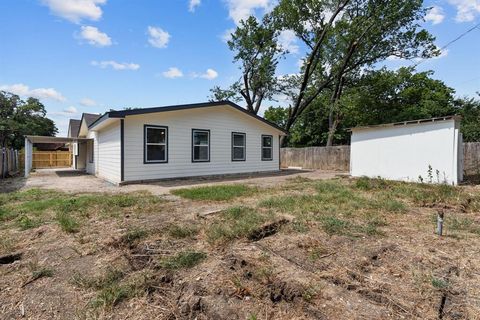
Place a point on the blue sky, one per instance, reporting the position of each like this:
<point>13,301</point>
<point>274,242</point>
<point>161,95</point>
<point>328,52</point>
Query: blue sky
<point>92,55</point>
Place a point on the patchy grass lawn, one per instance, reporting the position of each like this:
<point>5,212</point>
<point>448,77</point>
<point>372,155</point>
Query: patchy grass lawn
<point>216,193</point>
<point>305,249</point>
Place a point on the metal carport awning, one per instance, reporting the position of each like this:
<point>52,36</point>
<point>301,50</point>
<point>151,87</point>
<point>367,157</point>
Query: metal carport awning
<point>30,140</point>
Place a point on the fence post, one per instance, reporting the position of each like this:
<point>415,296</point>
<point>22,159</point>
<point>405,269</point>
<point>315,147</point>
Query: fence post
<point>3,163</point>
<point>16,161</point>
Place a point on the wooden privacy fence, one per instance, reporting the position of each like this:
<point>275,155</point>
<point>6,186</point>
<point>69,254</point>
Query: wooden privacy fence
<point>9,164</point>
<point>471,158</point>
<point>338,158</point>
<point>51,159</point>
<point>324,158</point>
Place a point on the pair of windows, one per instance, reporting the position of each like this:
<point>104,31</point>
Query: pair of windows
<point>239,147</point>
<point>156,145</point>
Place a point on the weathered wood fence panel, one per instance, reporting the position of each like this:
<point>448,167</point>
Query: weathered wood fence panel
<point>338,158</point>
<point>471,158</point>
<point>8,162</point>
<point>324,158</point>
<point>51,159</point>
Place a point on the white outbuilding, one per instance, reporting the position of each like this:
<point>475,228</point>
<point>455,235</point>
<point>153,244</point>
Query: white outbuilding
<point>427,150</point>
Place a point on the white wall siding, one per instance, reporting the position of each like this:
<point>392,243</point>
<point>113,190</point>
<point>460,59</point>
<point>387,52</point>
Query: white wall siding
<point>405,152</point>
<point>92,165</point>
<point>221,121</point>
<point>108,153</point>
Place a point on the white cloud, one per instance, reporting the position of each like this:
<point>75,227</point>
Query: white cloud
<point>241,9</point>
<point>70,110</point>
<point>467,10</point>
<point>95,37</point>
<point>115,65</point>
<point>435,15</point>
<point>192,4</point>
<point>23,90</point>
<point>158,37</point>
<point>227,35</point>
<point>173,73</point>
<point>67,112</point>
<point>76,10</point>
<point>87,102</point>
<point>210,74</point>
<point>287,41</point>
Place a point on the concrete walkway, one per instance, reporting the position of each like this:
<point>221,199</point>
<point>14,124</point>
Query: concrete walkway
<point>74,181</point>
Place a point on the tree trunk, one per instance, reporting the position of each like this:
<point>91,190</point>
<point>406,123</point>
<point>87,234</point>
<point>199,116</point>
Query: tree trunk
<point>331,132</point>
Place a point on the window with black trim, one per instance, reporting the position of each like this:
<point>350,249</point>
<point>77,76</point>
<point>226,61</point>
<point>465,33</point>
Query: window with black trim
<point>267,148</point>
<point>90,148</point>
<point>200,145</point>
<point>156,144</point>
<point>238,146</point>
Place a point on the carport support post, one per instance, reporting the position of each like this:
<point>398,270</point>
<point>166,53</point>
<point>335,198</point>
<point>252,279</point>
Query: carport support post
<point>28,157</point>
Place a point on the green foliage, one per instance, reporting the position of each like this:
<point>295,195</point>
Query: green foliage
<point>183,260</point>
<point>181,231</point>
<point>215,193</point>
<point>469,109</point>
<point>67,222</point>
<point>355,36</point>
<point>25,222</point>
<point>334,225</point>
<point>19,118</point>
<point>439,283</point>
<point>133,235</point>
<point>109,278</point>
<point>42,272</point>
<point>256,49</point>
<point>381,96</point>
<point>32,207</point>
<point>235,223</point>
<point>277,115</point>
<point>112,295</point>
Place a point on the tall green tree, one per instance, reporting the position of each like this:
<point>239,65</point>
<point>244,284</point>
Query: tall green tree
<point>257,51</point>
<point>469,109</point>
<point>340,39</point>
<point>19,118</point>
<point>377,97</point>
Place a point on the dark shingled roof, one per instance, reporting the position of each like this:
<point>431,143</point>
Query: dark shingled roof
<point>74,126</point>
<point>90,118</point>
<point>123,113</point>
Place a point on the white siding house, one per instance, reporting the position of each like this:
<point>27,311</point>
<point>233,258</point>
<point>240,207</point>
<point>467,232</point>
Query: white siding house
<point>203,139</point>
<point>424,150</point>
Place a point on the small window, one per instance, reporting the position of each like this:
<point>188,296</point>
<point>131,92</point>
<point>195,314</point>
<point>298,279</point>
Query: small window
<point>90,150</point>
<point>200,145</point>
<point>156,144</point>
<point>238,146</point>
<point>267,148</point>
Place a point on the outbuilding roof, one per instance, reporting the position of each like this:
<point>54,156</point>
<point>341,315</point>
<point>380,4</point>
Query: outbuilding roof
<point>124,113</point>
<point>409,122</point>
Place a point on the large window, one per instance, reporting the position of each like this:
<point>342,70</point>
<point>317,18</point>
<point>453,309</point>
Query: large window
<point>267,148</point>
<point>200,145</point>
<point>156,144</point>
<point>238,146</point>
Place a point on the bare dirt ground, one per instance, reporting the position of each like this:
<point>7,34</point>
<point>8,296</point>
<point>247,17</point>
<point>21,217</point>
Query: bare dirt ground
<point>290,247</point>
<point>74,181</point>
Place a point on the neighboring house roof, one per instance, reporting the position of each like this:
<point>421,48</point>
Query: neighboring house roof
<point>123,113</point>
<point>89,119</point>
<point>409,122</point>
<point>73,127</point>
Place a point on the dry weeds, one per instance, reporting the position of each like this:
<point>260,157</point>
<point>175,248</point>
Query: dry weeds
<point>304,249</point>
